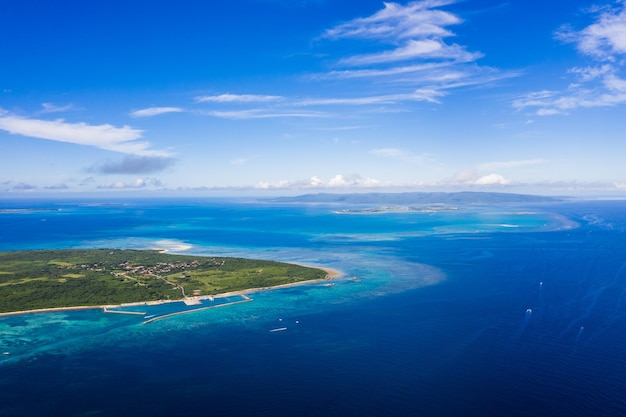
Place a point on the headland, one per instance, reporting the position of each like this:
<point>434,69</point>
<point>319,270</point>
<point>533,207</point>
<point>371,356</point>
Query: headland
<point>78,279</point>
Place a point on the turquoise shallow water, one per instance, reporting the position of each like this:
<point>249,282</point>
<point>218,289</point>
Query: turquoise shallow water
<point>515,311</point>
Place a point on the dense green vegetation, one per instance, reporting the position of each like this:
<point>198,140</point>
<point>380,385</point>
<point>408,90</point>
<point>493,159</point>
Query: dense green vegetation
<point>66,278</point>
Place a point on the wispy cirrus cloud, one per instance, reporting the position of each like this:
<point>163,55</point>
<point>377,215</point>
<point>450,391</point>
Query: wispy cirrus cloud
<point>409,46</point>
<point>406,47</point>
<point>601,84</point>
<point>237,98</point>
<point>424,68</point>
<point>396,21</point>
<point>56,108</point>
<point>414,49</point>
<point>605,38</point>
<point>290,108</point>
<point>417,95</point>
<point>123,139</point>
<point>262,114</point>
<point>155,111</point>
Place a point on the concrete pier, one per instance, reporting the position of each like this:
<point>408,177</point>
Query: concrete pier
<point>134,313</point>
<point>245,300</point>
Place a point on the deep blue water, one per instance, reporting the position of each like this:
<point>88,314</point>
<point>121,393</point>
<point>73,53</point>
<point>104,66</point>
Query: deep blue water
<point>482,311</point>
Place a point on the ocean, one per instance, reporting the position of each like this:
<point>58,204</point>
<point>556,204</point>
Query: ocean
<point>498,310</point>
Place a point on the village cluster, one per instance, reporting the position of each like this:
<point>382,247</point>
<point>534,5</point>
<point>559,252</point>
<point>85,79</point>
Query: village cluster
<point>131,268</point>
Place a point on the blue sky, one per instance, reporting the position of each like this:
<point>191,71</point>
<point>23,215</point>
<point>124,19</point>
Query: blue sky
<point>278,96</point>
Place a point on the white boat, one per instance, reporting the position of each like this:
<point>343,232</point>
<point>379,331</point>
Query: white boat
<point>278,329</point>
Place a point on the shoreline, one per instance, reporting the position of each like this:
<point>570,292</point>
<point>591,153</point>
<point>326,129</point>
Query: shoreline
<point>330,274</point>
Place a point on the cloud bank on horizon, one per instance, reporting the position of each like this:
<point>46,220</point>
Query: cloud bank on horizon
<point>428,94</point>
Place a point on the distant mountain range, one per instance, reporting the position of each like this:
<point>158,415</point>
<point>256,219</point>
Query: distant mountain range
<point>465,197</point>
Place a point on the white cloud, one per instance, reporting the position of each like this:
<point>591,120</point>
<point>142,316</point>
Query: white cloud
<point>471,178</point>
<point>237,98</point>
<point>155,111</point>
<point>54,108</point>
<point>414,48</point>
<point>611,92</point>
<point>548,112</point>
<point>381,72</point>
<point>290,108</point>
<point>403,43</point>
<point>260,114</point>
<point>355,101</point>
<point>108,137</point>
<point>397,21</point>
<point>536,98</point>
<point>416,30</point>
<point>603,39</point>
<point>591,73</point>
<point>338,181</point>
<point>615,84</point>
<point>417,95</point>
<point>372,182</point>
<point>435,78</point>
<point>492,179</point>
<point>138,183</point>
<point>600,85</point>
<point>422,49</point>
<point>267,185</point>
<point>416,33</point>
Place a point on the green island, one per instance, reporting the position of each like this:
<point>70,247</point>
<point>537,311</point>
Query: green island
<point>43,279</point>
